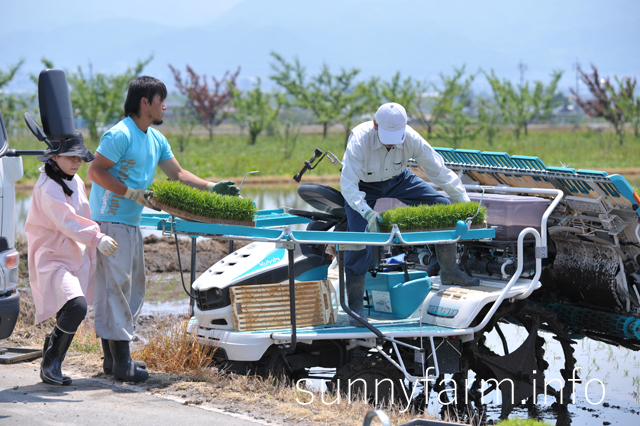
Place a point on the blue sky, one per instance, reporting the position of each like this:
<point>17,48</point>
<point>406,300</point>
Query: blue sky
<point>418,38</point>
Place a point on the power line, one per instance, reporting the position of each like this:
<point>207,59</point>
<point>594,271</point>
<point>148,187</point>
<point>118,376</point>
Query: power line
<point>522,67</point>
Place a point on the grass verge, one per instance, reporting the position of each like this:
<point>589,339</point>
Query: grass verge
<point>170,349</point>
<point>230,156</point>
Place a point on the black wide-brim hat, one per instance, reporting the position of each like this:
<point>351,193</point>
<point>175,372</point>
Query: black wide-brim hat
<point>73,147</point>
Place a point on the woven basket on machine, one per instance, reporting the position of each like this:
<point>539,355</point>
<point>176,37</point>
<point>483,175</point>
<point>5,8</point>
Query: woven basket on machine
<point>195,218</point>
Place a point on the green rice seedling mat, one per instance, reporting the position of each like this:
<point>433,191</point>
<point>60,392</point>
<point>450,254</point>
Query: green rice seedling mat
<point>194,205</point>
<point>479,226</point>
<point>434,217</point>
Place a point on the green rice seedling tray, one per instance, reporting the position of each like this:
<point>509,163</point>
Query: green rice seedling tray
<point>196,218</point>
<point>195,205</point>
<point>433,217</point>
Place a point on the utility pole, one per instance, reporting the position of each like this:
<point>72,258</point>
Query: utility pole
<point>576,66</point>
<point>522,67</point>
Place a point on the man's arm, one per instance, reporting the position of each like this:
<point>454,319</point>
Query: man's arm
<point>433,165</point>
<point>350,177</point>
<point>175,172</point>
<point>99,173</point>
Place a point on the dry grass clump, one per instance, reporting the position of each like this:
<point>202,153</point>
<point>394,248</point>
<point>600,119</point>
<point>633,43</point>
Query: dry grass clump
<point>434,216</point>
<point>170,349</point>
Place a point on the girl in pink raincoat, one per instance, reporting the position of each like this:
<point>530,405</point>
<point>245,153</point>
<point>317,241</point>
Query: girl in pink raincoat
<point>62,252</point>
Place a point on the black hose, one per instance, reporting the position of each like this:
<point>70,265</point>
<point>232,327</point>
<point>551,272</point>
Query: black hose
<point>184,287</point>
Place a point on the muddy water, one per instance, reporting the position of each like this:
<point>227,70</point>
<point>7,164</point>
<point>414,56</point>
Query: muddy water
<point>610,388</point>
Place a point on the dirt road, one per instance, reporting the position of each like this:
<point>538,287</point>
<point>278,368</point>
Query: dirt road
<point>95,401</point>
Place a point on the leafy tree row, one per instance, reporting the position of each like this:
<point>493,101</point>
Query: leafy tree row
<point>340,98</point>
<point>447,110</point>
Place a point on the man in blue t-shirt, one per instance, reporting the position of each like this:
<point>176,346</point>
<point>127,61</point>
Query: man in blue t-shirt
<point>124,167</point>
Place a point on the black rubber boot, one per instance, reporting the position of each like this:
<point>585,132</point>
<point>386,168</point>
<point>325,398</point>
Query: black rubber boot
<point>433,267</point>
<point>355,297</point>
<point>66,380</point>
<point>450,273</point>
<point>124,368</point>
<point>107,362</point>
<point>56,346</point>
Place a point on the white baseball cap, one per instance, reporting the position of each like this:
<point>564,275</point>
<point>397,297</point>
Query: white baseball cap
<point>392,123</point>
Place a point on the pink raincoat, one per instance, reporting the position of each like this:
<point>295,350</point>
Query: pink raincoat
<point>62,245</point>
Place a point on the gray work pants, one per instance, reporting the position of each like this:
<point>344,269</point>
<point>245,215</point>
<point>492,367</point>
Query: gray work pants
<point>119,283</point>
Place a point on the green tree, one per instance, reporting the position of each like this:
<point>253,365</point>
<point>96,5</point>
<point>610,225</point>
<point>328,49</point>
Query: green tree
<point>408,93</point>
<point>99,98</point>
<point>287,132</point>
<point>520,105</point>
<point>355,104</point>
<point>488,118</point>
<point>628,101</point>
<point>184,118</point>
<point>325,95</point>
<point>456,124</point>
<point>256,109</point>
<point>12,105</point>
<point>440,102</point>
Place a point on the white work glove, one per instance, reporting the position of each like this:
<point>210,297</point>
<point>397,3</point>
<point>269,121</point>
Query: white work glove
<point>226,187</point>
<point>140,196</point>
<point>107,245</point>
<point>374,219</point>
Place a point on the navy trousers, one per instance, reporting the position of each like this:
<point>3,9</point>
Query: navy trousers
<point>406,187</point>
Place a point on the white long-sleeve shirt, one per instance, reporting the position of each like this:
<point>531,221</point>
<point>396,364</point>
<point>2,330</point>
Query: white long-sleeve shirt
<point>367,160</point>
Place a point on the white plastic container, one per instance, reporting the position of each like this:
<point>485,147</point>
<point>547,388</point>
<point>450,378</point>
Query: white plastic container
<point>510,214</point>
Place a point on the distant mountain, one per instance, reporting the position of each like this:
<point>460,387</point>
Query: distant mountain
<point>418,38</point>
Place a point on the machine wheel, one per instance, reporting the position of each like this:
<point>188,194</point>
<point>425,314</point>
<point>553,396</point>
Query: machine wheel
<point>273,365</point>
<point>361,376</point>
<point>522,363</point>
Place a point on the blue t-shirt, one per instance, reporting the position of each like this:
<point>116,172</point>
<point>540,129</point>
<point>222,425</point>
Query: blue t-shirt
<point>136,155</point>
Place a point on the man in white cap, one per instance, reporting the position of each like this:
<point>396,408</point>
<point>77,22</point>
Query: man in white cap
<point>375,166</point>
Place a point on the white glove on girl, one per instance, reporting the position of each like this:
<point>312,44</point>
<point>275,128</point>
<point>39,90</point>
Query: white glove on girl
<point>107,245</point>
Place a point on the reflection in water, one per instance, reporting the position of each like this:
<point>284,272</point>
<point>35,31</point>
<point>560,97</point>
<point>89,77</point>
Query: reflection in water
<point>23,201</point>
